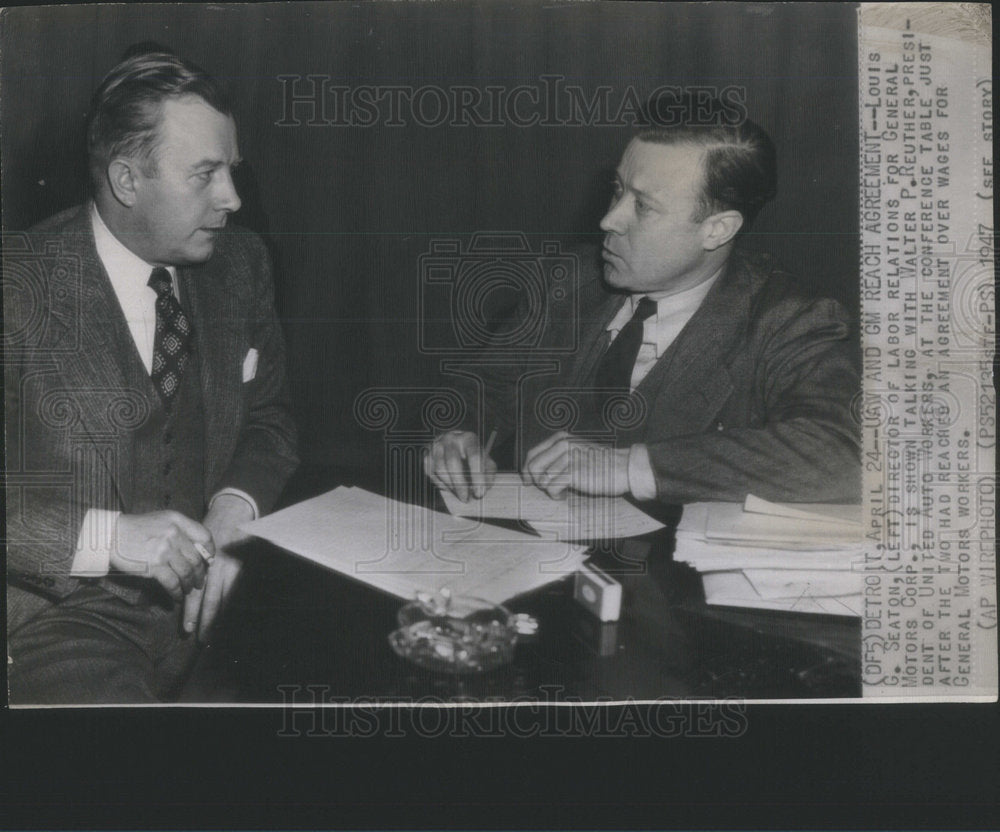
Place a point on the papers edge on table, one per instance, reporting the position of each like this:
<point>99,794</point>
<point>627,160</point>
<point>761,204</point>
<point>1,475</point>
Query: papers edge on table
<point>579,517</point>
<point>524,565</point>
<point>815,549</point>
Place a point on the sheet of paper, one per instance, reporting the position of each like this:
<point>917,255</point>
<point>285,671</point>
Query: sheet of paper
<point>789,584</point>
<point>402,549</point>
<point>728,522</point>
<point>734,589</point>
<point>577,517</point>
<point>704,556</point>
<point>849,515</point>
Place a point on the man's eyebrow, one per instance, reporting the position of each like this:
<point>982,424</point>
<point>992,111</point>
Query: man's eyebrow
<point>213,164</point>
<point>647,195</point>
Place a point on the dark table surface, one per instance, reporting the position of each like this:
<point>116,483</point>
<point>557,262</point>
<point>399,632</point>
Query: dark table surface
<point>295,632</point>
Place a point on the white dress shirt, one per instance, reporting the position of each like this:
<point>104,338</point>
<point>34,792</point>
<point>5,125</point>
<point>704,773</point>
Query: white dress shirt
<point>659,331</point>
<point>129,275</point>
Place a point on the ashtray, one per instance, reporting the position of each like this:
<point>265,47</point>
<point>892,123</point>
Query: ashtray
<point>458,634</point>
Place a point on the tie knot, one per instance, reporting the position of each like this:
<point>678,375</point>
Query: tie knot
<point>646,308</point>
<point>160,282</point>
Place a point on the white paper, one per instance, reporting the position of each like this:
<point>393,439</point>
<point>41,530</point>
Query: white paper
<point>704,556</point>
<point>403,549</point>
<point>577,517</point>
<point>728,522</point>
<point>849,515</point>
<point>734,589</point>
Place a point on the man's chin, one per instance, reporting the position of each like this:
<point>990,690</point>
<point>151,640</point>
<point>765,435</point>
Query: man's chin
<point>613,276</point>
<point>197,256</point>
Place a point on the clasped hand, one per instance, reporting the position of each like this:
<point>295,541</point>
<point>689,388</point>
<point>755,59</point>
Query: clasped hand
<point>456,463</point>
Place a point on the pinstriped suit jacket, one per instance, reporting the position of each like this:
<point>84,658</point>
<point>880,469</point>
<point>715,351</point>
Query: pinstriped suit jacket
<point>70,415</point>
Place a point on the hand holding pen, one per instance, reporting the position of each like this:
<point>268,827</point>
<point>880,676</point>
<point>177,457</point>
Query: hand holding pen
<point>455,462</point>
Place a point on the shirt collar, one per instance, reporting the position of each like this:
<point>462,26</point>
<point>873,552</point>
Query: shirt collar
<point>668,305</point>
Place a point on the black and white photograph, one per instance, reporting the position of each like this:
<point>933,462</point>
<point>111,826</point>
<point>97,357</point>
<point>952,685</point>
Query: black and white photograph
<point>498,353</point>
<point>461,320</point>
<point>499,371</point>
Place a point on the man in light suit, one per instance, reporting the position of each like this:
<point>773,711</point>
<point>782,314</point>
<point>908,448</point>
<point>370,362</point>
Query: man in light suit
<point>146,406</point>
<point>703,372</point>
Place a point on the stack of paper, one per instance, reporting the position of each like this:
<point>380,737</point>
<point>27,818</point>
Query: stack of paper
<point>574,518</point>
<point>800,557</point>
<point>404,549</point>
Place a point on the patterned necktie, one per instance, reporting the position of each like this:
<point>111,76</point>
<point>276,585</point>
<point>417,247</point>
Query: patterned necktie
<point>615,368</point>
<point>172,344</point>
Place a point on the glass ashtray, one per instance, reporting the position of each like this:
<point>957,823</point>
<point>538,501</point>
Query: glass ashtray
<point>457,634</point>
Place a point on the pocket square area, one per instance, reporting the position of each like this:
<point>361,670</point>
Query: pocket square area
<point>250,365</point>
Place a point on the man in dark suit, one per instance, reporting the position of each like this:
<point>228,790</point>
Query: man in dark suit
<point>146,405</point>
<point>703,373</point>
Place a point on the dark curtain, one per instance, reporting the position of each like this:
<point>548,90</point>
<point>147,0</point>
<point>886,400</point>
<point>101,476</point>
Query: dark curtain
<point>347,211</point>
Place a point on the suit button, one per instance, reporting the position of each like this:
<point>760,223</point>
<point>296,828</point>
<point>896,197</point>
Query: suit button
<point>168,437</point>
<point>166,498</point>
<point>166,468</point>
<point>49,582</point>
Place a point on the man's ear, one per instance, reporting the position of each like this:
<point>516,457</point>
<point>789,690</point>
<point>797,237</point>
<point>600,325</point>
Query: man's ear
<point>122,181</point>
<point>719,229</point>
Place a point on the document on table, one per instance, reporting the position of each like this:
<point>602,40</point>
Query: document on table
<point>577,517</point>
<point>730,523</point>
<point>800,558</point>
<point>708,556</point>
<point>736,589</point>
<point>848,515</point>
<point>403,549</point>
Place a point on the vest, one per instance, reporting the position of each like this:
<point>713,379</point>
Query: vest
<point>166,467</point>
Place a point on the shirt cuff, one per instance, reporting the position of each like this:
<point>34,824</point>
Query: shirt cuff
<point>641,481</point>
<point>93,546</point>
<point>236,492</point>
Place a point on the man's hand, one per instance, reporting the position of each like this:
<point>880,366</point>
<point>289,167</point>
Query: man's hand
<point>223,521</point>
<point>564,461</point>
<point>161,545</point>
<point>456,463</point>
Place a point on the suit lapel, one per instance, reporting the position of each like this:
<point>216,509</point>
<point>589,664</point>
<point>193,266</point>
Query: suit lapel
<point>92,343</point>
<point>690,382</point>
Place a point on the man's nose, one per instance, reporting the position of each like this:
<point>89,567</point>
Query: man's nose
<point>227,199</point>
<point>614,220</point>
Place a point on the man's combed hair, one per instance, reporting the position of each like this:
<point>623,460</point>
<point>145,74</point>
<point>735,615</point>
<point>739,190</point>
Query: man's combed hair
<point>740,166</point>
<point>125,112</point>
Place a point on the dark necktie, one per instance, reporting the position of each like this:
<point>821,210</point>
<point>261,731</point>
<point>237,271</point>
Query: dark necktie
<point>172,344</point>
<point>615,368</point>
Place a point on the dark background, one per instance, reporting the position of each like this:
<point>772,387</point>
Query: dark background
<point>347,211</point>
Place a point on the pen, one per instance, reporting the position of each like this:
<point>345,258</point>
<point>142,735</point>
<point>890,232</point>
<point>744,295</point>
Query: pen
<point>489,443</point>
<point>485,453</point>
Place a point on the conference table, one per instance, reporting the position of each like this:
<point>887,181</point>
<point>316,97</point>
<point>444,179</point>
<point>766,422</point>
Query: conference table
<point>295,632</point>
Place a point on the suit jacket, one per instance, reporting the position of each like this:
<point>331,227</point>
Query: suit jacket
<point>70,415</point>
<point>754,395</point>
